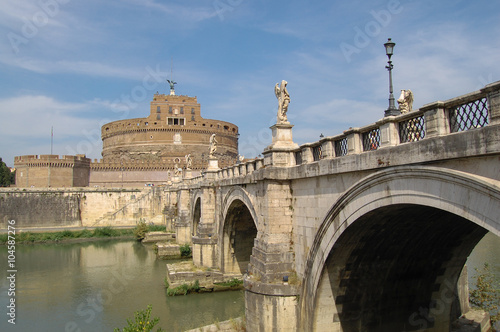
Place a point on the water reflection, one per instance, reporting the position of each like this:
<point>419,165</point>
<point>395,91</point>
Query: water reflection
<point>96,286</point>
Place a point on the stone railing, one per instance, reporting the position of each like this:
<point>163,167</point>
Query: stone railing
<point>470,111</point>
<point>241,169</point>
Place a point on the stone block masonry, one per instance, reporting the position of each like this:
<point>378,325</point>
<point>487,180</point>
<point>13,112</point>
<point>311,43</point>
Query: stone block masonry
<point>83,207</point>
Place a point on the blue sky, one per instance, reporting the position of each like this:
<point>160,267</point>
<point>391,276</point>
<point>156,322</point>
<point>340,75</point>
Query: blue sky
<point>76,65</point>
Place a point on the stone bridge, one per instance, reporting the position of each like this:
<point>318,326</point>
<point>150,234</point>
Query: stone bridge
<point>368,230</point>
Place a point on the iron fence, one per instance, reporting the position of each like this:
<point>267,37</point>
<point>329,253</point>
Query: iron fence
<point>468,116</point>
<point>371,139</point>
<point>341,147</point>
<point>412,130</point>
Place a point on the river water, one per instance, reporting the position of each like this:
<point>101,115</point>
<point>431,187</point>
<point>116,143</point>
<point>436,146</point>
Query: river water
<point>97,286</point>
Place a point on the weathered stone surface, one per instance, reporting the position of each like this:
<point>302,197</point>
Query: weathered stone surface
<point>151,237</point>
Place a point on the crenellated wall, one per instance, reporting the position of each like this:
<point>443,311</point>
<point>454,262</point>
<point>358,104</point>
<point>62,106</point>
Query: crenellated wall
<point>52,171</point>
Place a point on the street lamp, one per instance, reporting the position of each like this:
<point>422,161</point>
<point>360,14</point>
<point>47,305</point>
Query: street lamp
<point>389,49</point>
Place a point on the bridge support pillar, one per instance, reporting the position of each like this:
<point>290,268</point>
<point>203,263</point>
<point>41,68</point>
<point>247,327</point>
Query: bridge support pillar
<point>205,241</point>
<point>183,222</point>
<point>271,283</point>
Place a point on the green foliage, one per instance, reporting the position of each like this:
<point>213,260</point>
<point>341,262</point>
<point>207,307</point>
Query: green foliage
<point>235,282</point>
<point>6,176</point>
<point>185,250</point>
<point>28,237</point>
<point>142,322</point>
<point>140,231</point>
<point>106,231</point>
<point>83,234</point>
<point>486,294</point>
<point>167,285</point>
<point>184,289</point>
<point>157,228</point>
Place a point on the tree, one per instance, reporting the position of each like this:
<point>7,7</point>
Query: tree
<point>6,176</point>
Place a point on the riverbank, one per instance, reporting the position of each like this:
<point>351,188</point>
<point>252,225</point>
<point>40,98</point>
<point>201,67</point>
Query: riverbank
<point>35,236</point>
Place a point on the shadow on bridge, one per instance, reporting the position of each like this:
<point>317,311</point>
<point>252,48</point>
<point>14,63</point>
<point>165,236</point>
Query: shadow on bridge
<point>388,259</point>
<point>238,238</point>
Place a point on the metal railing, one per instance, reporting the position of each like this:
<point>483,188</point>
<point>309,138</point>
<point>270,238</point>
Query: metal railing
<point>412,130</point>
<point>371,139</point>
<point>473,114</point>
<point>341,147</point>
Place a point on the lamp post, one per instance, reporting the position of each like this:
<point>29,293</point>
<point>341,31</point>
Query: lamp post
<point>389,49</point>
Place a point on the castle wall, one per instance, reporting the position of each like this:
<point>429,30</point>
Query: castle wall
<point>80,207</point>
<point>52,171</point>
<point>115,178</point>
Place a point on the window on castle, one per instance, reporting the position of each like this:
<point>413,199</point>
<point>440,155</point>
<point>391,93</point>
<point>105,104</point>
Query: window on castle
<point>176,121</point>
<point>170,110</point>
<point>158,109</point>
<point>158,117</point>
<point>192,118</point>
<point>192,110</point>
<point>182,110</point>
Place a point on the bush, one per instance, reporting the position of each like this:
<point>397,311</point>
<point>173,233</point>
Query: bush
<point>185,250</point>
<point>67,233</point>
<point>143,322</point>
<point>140,231</point>
<point>183,289</point>
<point>486,294</point>
<point>104,232</point>
<point>83,233</point>
<point>157,228</point>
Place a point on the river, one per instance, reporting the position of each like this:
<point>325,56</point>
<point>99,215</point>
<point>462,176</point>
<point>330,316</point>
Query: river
<point>97,286</point>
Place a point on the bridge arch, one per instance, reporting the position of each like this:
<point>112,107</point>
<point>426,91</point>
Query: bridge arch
<point>196,211</point>
<point>237,231</point>
<point>389,252</point>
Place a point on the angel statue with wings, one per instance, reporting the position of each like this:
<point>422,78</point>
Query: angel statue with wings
<point>213,145</point>
<point>283,100</point>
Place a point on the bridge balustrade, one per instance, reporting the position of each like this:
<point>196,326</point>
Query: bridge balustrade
<point>340,147</point>
<point>371,139</point>
<point>470,111</point>
<point>469,115</point>
<point>316,152</point>
<point>412,130</point>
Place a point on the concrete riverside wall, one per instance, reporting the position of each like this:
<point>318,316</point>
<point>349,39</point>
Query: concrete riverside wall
<point>82,207</point>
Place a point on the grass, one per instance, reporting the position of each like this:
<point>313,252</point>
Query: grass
<point>184,289</point>
<point>99,232</point>
<point>231,283</point>
<point>44,237</point>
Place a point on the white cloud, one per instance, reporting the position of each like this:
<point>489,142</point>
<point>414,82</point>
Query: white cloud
<point>87,68</point>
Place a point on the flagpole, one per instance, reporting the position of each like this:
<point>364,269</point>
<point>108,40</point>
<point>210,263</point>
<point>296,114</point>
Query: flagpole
<point>51,139</point>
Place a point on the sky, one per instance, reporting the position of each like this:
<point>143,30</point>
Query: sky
<point>74,65</point>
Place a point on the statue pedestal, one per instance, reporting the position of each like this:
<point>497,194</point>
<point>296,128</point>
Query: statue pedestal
<point>188,174</point>
<point>282,149</point>
<point>213,164</point>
